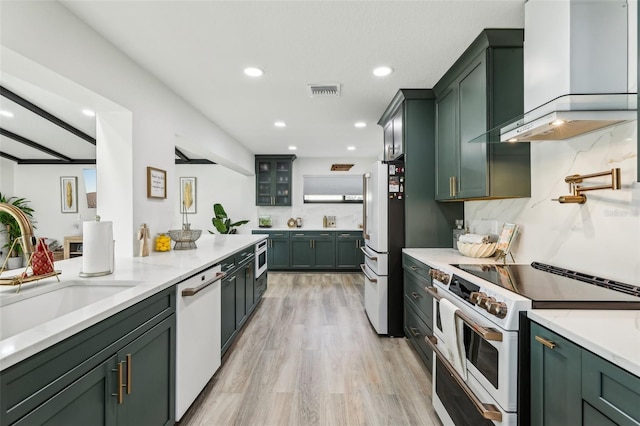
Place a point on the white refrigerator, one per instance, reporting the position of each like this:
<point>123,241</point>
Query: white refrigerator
<point>383,232</point>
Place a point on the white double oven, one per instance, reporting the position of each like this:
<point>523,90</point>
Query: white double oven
<point>488,394</point>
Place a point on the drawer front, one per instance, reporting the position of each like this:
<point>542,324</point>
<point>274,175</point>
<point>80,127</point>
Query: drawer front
<point>228,264</point>
<point>348,234</point>
<point>415,294</point>
<point>242,256</point>
<point>416,267</point>
<point>279,235</point>
<point>610,389</point>
<point>316,235</point>
<point>416,331</point>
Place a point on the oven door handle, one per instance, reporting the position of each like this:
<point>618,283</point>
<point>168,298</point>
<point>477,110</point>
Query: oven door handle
<point>486,333</point>
<point>373,280</point>
<point>487,411</point>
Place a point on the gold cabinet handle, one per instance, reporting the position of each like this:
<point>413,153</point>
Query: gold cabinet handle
<point>455,185</point>
<point>415,295</point>
<point>195,290</point>
<point>414,331</point>
<point>414,268</point>
<point>129,367</point>
<point>547,343</point>
<point>451,186</point>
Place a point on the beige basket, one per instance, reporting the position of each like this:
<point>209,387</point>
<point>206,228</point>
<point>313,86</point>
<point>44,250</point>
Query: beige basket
<point>476,250</point>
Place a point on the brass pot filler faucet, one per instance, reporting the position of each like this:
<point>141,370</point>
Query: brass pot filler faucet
<point>577,195</point>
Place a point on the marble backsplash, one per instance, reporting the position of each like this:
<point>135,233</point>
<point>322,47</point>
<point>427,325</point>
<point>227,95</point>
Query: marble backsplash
<point>602,236</point>
<point>348,216</point>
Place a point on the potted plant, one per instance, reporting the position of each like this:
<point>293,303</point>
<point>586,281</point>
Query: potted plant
<point>10,226</point>
<point>222,222</point>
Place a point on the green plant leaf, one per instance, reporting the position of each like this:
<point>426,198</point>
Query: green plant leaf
<point>219,212</point>
<point>220,226</point>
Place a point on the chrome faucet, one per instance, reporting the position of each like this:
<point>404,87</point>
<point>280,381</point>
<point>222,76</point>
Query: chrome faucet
<point>26,230</point>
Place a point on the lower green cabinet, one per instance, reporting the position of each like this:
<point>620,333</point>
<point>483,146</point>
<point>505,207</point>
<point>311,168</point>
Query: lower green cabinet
<point>87,401</point>
<point>240,294</point>
<point>555,379</point>
<point>309,250</point>
<point>120,371</point>
<point>418,307</point>
<point>572,386</point>
<point>348,252</point>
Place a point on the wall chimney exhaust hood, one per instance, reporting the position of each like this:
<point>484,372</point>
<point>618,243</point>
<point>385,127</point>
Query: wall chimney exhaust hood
<point>577,55</point>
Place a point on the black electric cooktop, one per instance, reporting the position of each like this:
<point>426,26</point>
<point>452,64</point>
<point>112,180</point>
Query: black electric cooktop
<point>551,287</point>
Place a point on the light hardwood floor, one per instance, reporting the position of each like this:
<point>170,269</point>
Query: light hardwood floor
<point>309,356</point>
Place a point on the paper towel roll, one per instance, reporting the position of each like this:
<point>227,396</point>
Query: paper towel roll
<point>97,251</point>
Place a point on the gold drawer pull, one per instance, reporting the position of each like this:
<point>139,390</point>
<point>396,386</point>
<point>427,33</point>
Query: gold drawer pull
<point>547,343</point>
<point>120,393</point>
<point>414,331</point>
<point>415,295</point>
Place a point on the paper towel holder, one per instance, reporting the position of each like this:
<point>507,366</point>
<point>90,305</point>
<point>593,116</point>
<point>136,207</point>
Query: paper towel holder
<point>111,261</point>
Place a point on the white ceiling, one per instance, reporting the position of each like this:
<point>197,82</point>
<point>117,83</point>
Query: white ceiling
<point>199,49</point>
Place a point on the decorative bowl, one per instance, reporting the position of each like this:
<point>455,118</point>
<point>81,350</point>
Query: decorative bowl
<point>185,238</point>
<point>477,250</point>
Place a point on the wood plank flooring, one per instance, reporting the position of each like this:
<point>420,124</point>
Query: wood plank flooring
<point>309,356</point>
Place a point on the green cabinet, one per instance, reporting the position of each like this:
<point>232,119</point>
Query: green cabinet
<point>277,249</point>
<point>240,294</point>
<point>348,252</point>
<point>572,386</point>
<point>110,374</point>
<point>313,250</point>
<point>393,137</point>
<point>483,89</point>
<point>555,379</point>
<point>273,180</point>
<point>409,122</point>
<point>418,307</point>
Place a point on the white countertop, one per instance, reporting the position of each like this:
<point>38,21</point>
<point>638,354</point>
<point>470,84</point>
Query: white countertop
<point>151,274</point>
<point>613,335</point>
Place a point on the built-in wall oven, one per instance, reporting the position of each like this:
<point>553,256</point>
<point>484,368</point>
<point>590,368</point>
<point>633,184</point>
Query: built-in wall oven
<point>261,257</point>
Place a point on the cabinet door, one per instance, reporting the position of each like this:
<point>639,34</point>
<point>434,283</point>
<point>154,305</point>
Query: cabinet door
<point>228,311</point>
<point>149,378</point>
<point>249,287</point>
<point>446,144</point>
<point>555,379</point>
<point>278,253</point>
<point>282,179</point>
<point>472,90</point>
<point>264,183</point>
<point>89,400</point>
<point>301,252</point>
<point>398,147</point>
<point>347,252</point>
<point>324,253</point>
<point>240,297</point>
<point>388,141</point>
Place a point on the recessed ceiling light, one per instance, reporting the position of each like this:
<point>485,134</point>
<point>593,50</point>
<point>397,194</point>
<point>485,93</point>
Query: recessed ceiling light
<point>360,124</point>
<point>6,113</point>
<point>292,148</point>
<point>88,113</point>
<point>253,72</point>
<point>351,148</point>
<point>280,124</point>
<point>382,71</point>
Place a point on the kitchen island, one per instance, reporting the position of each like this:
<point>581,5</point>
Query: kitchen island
<point>87,350</point>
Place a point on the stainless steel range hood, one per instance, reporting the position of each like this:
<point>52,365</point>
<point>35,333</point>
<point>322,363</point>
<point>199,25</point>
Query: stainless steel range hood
<point>576,71</point>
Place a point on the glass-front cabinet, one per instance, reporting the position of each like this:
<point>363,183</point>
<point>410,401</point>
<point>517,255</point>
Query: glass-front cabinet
<point>273,180</point>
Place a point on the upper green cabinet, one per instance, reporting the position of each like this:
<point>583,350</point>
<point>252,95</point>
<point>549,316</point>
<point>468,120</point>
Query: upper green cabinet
<point>393,137</point>
<point>273,180</point>
<point>483,89</point>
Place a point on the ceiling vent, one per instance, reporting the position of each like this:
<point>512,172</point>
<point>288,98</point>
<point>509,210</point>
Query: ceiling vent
<point>324,90</point>
<point>341,167</point>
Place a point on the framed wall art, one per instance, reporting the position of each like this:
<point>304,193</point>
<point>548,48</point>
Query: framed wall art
<point>188,195</point>
<point>69,194</point>
<point>156,183</point>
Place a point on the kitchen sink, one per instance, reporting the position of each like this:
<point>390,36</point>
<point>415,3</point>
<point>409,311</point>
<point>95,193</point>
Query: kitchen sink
<point>31,307</point>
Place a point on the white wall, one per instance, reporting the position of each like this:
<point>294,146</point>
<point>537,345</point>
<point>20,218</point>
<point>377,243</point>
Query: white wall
<point>602,236</point>
<point>216,184</point>
<point>347,215</point>
<point>47,34</point>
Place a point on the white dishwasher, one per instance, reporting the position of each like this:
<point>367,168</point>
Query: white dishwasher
<point>198,335</point>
